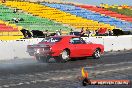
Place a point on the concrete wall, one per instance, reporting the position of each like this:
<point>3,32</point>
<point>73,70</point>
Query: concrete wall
<point>17,49</point>
<point>113,43</point>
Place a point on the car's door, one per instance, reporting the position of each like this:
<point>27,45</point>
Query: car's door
<point>73,48</point>
<point>88,48</point>
<point>85,47</point>
<point>77,47</point>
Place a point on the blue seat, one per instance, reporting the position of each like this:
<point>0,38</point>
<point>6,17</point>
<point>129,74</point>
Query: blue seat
<point>90,15</point>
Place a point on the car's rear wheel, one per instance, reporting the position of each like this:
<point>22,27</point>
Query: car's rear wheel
<point>42,58</point>
<point>96,54</point>
<point>64,56</point>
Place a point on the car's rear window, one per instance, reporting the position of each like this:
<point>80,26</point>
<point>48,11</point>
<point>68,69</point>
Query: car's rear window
<point>52,39</point>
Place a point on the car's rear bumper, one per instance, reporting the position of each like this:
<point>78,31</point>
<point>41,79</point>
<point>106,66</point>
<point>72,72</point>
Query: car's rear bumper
<point>40,53</point>
<point>43,54</point>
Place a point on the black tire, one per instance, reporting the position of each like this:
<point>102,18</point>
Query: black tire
<point>57,59</point>
<point>42,59</point>
<point>64,57</point>
<point>96,54</point>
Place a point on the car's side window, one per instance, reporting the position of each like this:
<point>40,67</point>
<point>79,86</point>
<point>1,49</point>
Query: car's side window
<point>72,41</point>
<point>82,41</point>
<point>76,41</point>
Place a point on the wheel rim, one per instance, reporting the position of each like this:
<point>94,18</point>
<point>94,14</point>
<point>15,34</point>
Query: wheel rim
<point>65,55</point>
<point>97,53</point>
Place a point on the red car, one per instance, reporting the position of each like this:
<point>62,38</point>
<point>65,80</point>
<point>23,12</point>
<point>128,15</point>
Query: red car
<point>63,48</point>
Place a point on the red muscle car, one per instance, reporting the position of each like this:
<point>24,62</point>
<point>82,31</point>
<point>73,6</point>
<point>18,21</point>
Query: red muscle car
<point>63,48</point>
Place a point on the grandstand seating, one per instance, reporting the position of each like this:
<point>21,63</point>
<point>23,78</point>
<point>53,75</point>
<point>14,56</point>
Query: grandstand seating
<point>107,12</point>
<point>91,15</point>
<point>30,22</point>
<point>9,31</point>
<point>57,15</point>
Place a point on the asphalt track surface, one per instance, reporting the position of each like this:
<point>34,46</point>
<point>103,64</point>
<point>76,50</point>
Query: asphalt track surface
<point>28,73</point>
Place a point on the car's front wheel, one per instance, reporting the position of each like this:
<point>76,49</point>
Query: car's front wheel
<point>96,54</point>
<point>64,56</point>
<point>42,58</point>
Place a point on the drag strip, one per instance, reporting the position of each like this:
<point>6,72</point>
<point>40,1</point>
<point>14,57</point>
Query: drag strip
<point>26,66</point>
<point>27,73</point>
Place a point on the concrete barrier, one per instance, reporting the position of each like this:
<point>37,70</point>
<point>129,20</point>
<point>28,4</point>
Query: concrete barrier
<point>17,49</point>
<point>113,43</point>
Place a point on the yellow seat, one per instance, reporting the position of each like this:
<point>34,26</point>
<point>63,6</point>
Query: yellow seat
<point>57,15</point>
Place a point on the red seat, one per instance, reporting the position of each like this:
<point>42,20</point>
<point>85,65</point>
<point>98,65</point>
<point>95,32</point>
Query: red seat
<point>106,12</point>
<point>4,28</point>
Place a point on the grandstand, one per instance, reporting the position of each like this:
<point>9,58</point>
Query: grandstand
<point>58,15</point>
<point>29,22</point>
<point>91,15</point>
<point>124,10</point>
<point>9,31</point>
<point>107,12</point>
<point>123,24</point>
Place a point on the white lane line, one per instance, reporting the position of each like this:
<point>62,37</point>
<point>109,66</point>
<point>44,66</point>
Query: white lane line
<point>20,84</point>
<point>77,70</point>
<point>112,70</point>
<point>118,63</point>
<point>63,71</point>
<point>116,53</point>
<point>12,84</point>
<point>33,82</point>
<point>121,63</point>
<point>6,86</point>
<point>37,81</point>
<point>26,82</point>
